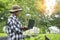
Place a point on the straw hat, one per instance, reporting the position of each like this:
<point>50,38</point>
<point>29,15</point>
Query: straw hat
<point>15,8</point>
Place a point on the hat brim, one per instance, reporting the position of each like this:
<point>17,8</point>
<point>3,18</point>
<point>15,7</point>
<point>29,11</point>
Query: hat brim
<point>15,10</point>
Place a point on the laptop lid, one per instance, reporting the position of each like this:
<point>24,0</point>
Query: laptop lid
<point>31,23</point>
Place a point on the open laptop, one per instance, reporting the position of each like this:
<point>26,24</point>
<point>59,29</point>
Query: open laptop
<point>31,23</point>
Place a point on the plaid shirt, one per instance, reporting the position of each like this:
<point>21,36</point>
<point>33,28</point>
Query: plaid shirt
<point>14,26</point>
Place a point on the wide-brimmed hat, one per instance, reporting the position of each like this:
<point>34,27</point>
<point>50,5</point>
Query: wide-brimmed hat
<point>15,8</point>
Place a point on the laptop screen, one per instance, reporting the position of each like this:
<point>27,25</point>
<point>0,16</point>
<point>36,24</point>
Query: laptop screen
<point>31,23</point>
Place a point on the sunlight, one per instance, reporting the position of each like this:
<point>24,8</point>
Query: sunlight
<point>50,4</point>
<point>47,7</point>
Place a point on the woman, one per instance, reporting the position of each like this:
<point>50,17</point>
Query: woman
<point>14,28</point>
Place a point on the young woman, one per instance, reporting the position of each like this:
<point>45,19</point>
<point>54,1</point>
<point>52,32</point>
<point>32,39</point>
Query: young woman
<point>14,28</point>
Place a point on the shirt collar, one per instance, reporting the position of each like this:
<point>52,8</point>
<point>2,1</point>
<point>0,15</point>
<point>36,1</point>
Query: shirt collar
<point>13,15</point>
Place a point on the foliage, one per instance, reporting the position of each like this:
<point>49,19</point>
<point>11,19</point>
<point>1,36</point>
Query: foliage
<point>28,7</point>
<point>39,36</point>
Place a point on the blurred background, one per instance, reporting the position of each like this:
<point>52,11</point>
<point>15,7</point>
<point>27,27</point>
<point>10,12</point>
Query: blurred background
<point>46,13</point>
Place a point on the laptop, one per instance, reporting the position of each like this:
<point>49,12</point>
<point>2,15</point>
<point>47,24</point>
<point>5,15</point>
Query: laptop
<point>31,23</point>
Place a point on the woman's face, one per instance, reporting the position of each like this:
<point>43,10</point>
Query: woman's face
<point>17,13</point>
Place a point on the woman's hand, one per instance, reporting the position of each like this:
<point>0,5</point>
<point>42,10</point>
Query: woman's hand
<point>24,28</point>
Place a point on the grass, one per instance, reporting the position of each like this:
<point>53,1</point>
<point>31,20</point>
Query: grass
<point>40,36</point>
<point>3,34</point>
